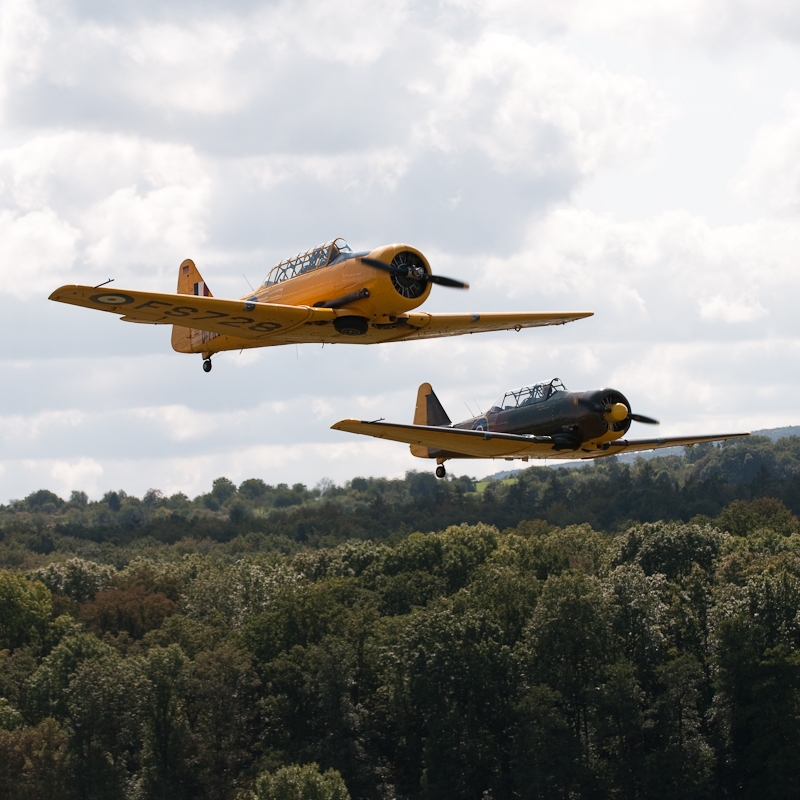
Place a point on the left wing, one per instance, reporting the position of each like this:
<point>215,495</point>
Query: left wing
<point>464,443</point>
<point>632,445</point>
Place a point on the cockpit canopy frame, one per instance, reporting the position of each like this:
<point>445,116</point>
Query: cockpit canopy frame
<point>316,258</point>
<point>527,395</point>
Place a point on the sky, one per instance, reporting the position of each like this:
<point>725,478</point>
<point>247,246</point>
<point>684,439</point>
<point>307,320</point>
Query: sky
<point>639,160</point>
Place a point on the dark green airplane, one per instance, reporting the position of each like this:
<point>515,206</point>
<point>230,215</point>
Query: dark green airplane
<point>539,421</point>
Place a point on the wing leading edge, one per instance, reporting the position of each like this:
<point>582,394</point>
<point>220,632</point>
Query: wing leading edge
<point>463,443</point>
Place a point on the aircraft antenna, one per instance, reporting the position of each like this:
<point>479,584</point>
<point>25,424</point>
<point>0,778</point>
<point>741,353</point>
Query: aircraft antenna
<point>478,406</point>
<point>471,413</point>
<point>248,282</point>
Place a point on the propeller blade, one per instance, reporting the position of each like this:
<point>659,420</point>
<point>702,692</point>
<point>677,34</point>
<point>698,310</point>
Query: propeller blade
<point>373,262</point>
<point>606,409</point>
<point>452,283</point>
<point>592,406</point>
<point>642,418</point>
<point>440,280</point>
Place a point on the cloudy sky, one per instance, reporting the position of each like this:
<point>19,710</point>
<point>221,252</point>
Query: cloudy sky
<point>638,160</point>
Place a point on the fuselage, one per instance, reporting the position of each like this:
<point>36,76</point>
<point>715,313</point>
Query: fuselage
<point>570,418</point>
<point>345,277</point>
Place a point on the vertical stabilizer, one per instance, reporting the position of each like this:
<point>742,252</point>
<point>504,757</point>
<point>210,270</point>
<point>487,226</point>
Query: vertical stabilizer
<point>429,411</point>
<point>190,281</point>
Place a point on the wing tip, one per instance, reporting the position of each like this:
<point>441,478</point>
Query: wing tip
<point>342,424</point>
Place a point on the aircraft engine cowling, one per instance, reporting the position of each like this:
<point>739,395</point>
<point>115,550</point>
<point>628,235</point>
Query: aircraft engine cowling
<point>610,399</point>
<point>409,286</point>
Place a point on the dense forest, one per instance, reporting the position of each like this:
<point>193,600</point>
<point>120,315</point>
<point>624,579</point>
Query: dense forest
<point>610,630</point>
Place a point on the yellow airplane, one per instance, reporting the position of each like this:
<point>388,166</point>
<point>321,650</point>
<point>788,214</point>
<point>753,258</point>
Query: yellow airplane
<point>328,294</point>
<point>539,421</point>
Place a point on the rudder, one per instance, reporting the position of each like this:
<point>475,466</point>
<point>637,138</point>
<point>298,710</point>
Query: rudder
<point>429,411</point>
<point>190,281</point>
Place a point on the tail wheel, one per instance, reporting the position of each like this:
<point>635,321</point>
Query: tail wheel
<point>411,285</point>
<point>207,365</point>
<point>441,471</point>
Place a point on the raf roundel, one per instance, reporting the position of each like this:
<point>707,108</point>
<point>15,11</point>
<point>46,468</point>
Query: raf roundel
<point>112,299</point>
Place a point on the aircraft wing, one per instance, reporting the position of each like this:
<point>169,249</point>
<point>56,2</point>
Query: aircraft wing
<point>456,324</point>
<point>632,445</point>
<point>463,443</point>
<point>244,319</point>
<point>458,441</point>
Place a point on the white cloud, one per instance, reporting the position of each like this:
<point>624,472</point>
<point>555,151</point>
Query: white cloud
<point>771,175</point>
<point>659,23</point>
<point>34,249</point>
<point>656,271</point>
<point>23,33</point>
<point>537,109</point>
<point>106,201</point>
<point>180,423</point>
<point>21,428</point>
<point>732,309</point>
<point>83,474</point>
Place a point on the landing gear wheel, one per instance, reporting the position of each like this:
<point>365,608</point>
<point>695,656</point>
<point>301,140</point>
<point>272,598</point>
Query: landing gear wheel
<point>441,471</point>
<point>207,365</point>
<point>351,326</point>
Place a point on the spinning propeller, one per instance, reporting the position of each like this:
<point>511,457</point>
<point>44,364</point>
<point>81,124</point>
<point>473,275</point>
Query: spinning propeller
<point>414,272</point>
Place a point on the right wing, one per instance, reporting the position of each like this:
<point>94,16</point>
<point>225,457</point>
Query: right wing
<point>244,319</point>
<point>461,442</point>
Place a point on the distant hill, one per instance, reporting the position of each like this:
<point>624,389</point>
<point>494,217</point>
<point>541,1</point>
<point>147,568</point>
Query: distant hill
<point>629,458</point>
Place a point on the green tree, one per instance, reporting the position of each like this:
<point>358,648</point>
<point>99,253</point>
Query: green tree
<point>742,518</point>
<point>77,578</point>
<point>222,489</point>
<point>104,703</point>
<point>756,634</point>
<point>167,743</point>
<point>300,783</point>
<point>132,611</point>
<point>222,701</point>
<point>682,765</point>
<point>25,610</point>
<point>568,645</point>
<point>35,763</point>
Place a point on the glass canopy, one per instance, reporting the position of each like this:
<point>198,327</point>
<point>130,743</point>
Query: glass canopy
<point>527,395</point>
<point>316,258</point>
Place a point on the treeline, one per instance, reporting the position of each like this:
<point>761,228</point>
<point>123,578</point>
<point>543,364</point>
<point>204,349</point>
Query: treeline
<point>606,494</point>
<point>659,661</point>
<point>610,630</point>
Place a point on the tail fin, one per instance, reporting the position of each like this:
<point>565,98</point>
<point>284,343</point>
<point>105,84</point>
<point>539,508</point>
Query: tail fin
<point>190,281</point>
<point>429,411</point>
